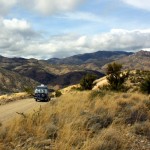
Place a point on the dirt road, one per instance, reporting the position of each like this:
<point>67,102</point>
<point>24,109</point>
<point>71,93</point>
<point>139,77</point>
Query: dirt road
<point>9,111</point>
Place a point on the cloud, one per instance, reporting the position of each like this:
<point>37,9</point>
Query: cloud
<point>5,6</point>
<point>142,4</point>
<point>45,7</point>
<point>82,16</point>
<point>15,36</point>
<point>119,39</point>
<point>18,39</point>
<point>15,24</point>
<point>53,6</point>
<point>49,7</point>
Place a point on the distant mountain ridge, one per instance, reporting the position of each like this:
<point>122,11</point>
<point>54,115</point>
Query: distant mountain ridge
<point>143,53</point>
<point>137,61</point>
<point>96,57</point>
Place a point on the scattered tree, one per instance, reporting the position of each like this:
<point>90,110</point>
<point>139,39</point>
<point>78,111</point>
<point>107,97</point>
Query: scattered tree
<point>86,82</point>
<point>58,93</point>
<point>29,90</point>
<point>116,78</point>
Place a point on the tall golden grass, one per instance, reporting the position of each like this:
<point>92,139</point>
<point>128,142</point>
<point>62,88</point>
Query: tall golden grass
<point>78,120</point>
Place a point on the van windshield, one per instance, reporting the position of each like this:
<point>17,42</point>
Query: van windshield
<point>41,90</point>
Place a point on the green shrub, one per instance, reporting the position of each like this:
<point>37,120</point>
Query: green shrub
<point>115,77</point>
<point>145,85</point>
<point>29,90</point>
<point>86,82</point>
<point>58,93</point>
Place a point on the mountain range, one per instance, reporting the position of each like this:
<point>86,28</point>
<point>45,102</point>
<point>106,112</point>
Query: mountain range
<point>100,58</point>
<point>53,72</point>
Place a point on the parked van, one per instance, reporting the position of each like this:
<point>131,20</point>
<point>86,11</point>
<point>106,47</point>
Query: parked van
<point>41,93</point>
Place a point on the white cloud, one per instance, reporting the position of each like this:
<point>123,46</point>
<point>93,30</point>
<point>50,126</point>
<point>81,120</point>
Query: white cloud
<point>45,7</point>
<point>30,44</point>
<point>15,36</point>
<point>82,16</point>
<point>48,7</point>
<point>142,4</point>
<point>119,39</point>
<point>15,24</point>
<point>5,6</point>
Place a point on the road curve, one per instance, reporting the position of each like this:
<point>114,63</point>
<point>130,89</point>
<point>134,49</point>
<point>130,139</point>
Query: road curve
<point>9,111</point>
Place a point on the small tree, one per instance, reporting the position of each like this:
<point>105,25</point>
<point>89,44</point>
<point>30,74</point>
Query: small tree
<point>145,85</point>
<point>58,93</point>
<point>86,82</point>
<point>115,77</point>
<point>29,90</point>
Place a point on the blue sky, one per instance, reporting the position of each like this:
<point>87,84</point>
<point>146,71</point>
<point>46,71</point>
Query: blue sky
<point>45,28</point>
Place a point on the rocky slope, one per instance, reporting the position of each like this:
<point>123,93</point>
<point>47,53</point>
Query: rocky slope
<point>136,61</point>
<point>13,82</point>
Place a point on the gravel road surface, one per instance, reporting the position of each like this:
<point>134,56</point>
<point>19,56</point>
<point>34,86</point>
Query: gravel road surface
<point>9,111</point>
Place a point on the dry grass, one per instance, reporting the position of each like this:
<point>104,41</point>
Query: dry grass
<point>12,97</point>
<point>75,121</point>
<point>99,83</point>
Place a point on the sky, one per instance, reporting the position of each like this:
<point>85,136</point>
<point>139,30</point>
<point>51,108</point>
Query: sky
<point>44,29</point>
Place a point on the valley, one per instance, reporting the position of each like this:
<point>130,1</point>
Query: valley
<point>27,73</point>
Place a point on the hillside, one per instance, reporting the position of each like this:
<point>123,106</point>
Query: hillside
<point>137,61</point>
<point>80,120</point>
<point>69,72</point>
<point>42,72</point>
<point>31,68</point>
<point>72,78</point>
<point>13,82</point>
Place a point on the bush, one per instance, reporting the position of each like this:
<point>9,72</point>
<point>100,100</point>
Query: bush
<point>145,85</point>
<point>142,129</point>
<point>29,90</point>
<point>51,131</point>
<point>115,77</point>
<point>95,94</point>
<point>86,82</point>
<point>58,93</point>
<point>111,139</point>
<point>97,122</point>
<point>137,114</point>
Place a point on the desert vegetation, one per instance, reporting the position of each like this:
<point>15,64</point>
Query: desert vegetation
<point>86,82</point>
<point>83,120</point>
<point>13,97</point>
<point>115,77</point>
<point>109,118</point>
